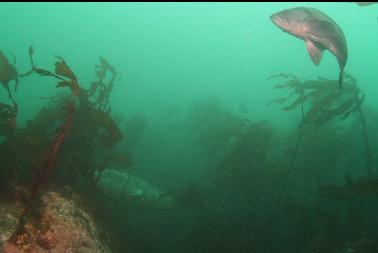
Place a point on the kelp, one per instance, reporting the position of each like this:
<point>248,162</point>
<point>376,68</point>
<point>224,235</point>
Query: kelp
<point>8,72</point>
<point>8,115</point>
<point>42,178</point>
<point>93,130</point>
<point>103,120</point>
<point>320,103</point>
<point>92,137</point>
<point>327,103</point>
<point>61,70</point>
<point>362,187</point>
<point>21,154</point>
<point>215,126</point>
<point>277,101</point>
<point>58,147</point>
<point>324,100</point>
<point>100,90</point>
<point>248,154</point>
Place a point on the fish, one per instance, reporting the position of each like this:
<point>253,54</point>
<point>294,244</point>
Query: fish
<point>137,191</point>
<point>365,3</point>
<point>319,32</point>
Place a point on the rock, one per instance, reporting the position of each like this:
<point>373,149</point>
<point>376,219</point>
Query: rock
<point>9,215</point>
<point>62,227</point>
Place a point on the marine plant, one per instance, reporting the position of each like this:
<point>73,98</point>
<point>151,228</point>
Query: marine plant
<point>319,102</point>
<point>42,178</point>
<point>99,92</point>
<point>216,127</point>
<point>325,103</point>
<point>83,126</point>
<point>248,155</point>
<point>8,72</point>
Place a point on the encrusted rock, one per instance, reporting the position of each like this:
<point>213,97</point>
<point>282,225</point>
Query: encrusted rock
<point>63,227</point>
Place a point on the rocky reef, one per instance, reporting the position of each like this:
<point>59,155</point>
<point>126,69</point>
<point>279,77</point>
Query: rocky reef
<point>61,224</point>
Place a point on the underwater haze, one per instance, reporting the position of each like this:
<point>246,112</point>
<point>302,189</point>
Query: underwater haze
<point>174,53</point>
<point>190,127</point>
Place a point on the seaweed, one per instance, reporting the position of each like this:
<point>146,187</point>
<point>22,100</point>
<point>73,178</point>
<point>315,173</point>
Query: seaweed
<point>325,101</point>
<point>215,126</point>
<point>362,187</point>
<point>247,155</point>
<point>8,116</point>
<point>45,152</point>
<point>42,178</point>
<point>8,72</point>
<point>321,103</point>
<point>100,91</point>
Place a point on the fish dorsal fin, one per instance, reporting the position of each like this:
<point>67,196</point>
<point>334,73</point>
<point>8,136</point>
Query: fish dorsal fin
<point>315,52</point>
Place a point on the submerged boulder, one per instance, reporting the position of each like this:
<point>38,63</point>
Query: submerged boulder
<point>9,215</point>
<point>62,226</point>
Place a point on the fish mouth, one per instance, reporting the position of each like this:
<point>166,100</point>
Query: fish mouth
<point>276,19</point>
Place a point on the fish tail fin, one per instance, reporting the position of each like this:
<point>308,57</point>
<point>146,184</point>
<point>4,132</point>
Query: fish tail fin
<point>341,77</point>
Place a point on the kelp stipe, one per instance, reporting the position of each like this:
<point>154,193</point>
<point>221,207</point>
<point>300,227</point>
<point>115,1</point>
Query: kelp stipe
<point>41,180</point>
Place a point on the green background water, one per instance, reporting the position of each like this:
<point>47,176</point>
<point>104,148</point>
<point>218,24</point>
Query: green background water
<point>170,54</point>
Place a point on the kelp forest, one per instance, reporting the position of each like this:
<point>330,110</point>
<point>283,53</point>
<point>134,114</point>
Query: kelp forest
<point>156,147</point>
<point>67,175</point>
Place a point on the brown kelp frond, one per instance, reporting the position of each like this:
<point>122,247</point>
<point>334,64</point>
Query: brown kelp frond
<point>248,154</point>
<point>285,75</point>
<point>277,101</point>
<point>62,69</point>
<point>42,178</point>
<point>100,90</point>
<point>40,71</point>
<point>102,119</point>
<point>4,62</point>
<point>8,72</point>
<point>103,67</point>
<point>299,101</point>
<point>324,100</point>
<point>8,115</point>
<point>64,144</point>
<point>318,109</point>
<point>217,128</point>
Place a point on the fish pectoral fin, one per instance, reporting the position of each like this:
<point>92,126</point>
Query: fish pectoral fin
<point>315,52</point>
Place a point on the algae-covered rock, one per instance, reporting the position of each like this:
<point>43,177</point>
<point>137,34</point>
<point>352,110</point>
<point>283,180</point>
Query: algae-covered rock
<point>62,226</point>
<point>9,215</point>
